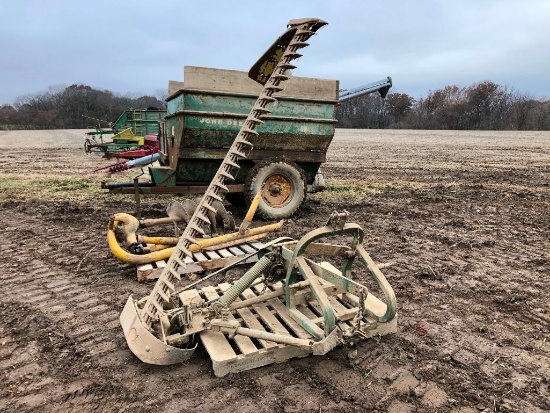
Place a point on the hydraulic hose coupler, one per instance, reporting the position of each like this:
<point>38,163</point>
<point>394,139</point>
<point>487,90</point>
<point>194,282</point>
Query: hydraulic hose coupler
<point>136,248</point>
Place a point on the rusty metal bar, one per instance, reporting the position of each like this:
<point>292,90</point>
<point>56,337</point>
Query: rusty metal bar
<point>178,189</point>
<point>136,192</point>
<point>232,328</point>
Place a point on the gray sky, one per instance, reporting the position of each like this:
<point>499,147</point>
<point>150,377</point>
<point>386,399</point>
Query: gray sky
<point>135,47</point>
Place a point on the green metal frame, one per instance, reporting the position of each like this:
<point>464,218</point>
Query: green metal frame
<point>299,266</point>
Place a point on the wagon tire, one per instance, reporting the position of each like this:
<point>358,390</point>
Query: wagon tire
<point>284,188</point>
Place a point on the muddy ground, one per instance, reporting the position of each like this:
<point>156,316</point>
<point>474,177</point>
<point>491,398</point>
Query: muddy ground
<point>464,217</point>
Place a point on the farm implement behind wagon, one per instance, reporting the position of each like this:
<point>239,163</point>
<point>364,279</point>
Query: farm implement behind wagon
<point>134,135</point>
<point>286,305</point>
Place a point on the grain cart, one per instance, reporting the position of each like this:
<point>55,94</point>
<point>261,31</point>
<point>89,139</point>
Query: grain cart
<point>205,112</point>
<point>286,305</point>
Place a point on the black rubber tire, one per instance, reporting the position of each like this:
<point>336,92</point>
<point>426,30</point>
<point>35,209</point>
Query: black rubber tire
<point>286,191</point>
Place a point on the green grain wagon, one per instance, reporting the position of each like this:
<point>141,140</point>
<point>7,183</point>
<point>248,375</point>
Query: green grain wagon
<point>205,113</point>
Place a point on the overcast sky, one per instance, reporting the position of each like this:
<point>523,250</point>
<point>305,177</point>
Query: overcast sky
<point>134,47</point>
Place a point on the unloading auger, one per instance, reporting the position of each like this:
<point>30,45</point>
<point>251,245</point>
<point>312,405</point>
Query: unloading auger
<point>316,308</point>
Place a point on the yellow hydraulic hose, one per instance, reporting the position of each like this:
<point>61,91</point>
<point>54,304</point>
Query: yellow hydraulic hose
<point>156,247</point>
<point>157,240</point>
<point>130,225</point>
<point>164,254</point>
<point>251,211</point>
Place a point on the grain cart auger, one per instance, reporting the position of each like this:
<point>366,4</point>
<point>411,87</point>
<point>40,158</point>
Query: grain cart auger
<point>160,328</point>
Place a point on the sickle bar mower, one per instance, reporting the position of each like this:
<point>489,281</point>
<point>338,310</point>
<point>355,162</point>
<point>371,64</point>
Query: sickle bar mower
<point>286,305</point>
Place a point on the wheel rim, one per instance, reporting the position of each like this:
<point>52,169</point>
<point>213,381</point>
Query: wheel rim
<point>277,190</point>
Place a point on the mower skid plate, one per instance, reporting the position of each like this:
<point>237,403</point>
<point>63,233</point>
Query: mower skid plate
<point>144,344</point>
<point>327,344</point>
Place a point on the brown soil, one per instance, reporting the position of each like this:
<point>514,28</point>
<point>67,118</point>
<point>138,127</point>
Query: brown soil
<point>464,217</point>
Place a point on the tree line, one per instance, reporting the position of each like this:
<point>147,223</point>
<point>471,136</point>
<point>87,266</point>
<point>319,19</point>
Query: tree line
<point>485,105</point>
<point>70,108</point>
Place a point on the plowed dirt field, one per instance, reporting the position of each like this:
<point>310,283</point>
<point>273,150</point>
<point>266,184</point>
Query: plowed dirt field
<point>463,216</point>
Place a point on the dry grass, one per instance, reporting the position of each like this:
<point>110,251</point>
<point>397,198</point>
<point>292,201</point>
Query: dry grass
<point>52,165</point>
<point>51,188</point>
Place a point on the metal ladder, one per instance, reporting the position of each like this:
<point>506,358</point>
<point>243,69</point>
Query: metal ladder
<point>241,147</point>
<point>137,117</point>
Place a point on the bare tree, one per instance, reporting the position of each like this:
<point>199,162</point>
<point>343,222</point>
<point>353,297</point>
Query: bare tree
<point>484,105</point>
